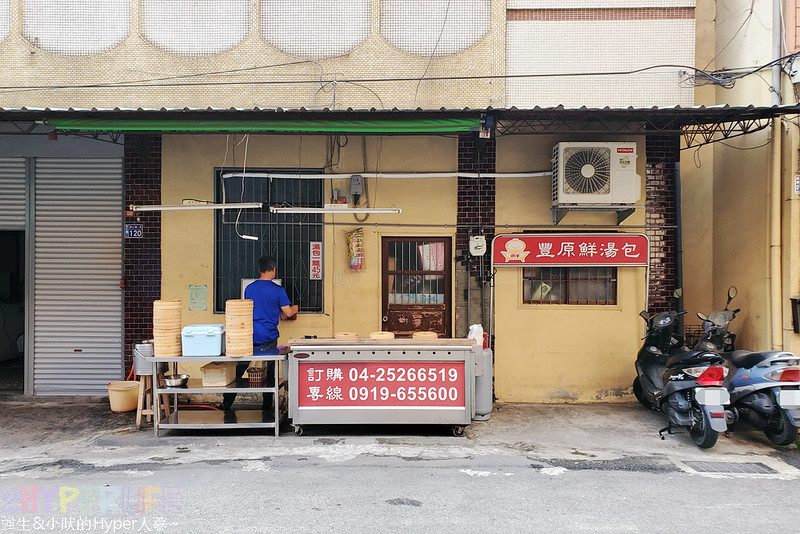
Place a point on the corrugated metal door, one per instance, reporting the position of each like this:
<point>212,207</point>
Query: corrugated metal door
<point>78,267</point>
<point>12,193</point>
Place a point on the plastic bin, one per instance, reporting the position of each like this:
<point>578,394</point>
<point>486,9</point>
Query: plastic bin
<point>203,339</point>
<point>123,396</point>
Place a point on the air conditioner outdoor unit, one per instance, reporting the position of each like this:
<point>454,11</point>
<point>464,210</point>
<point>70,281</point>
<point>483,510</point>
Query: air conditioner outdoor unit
<point>595,173</point>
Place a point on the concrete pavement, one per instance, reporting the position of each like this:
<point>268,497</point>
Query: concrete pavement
<point>530,468</point>
<point>72,427</point>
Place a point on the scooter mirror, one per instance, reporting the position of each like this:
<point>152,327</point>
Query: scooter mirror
<point>678,293</point>
<point>702,316</point>
<point>644,315</point>
<point>732,292</point>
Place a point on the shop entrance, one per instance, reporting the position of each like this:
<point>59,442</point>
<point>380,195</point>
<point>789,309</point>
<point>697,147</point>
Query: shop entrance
<point>416,285</point>
<point>12,310</point>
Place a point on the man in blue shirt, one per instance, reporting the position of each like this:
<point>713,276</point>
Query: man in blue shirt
<point>270,304</point>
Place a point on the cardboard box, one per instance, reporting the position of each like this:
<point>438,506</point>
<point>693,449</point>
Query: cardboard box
<point>218,374</point>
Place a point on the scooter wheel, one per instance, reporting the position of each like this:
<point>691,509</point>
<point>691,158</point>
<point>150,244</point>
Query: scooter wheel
<point>783,432</point>
<point>702,434</point>
<point>639,393</point>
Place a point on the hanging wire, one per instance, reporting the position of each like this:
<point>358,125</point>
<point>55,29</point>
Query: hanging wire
<point>433,52</point>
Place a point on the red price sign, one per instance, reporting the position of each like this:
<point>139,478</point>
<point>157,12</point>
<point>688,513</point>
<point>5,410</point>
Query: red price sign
<point>380,384</point>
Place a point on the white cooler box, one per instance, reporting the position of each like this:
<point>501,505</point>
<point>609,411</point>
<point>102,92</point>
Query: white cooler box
<point>203,340</point>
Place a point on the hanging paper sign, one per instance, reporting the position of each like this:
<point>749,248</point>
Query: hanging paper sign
<point>564,250</point>
<point>315,261</point>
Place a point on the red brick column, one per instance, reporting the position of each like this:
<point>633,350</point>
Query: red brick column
<point>142,264</point>
<point>663,151</point>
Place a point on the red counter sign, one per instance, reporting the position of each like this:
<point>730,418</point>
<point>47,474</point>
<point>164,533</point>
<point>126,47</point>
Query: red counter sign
<point>380,384</point>
<point>570,250</point>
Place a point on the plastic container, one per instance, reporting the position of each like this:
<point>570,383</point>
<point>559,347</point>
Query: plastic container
<point>123,396</point>
<point>203,340</point>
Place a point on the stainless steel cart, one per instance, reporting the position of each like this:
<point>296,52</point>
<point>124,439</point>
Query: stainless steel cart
<point>398,381</point>
<point>214,419</point>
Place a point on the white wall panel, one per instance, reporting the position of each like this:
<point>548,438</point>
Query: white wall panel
<point>75,27</point>
<point>315,28</point>
<point>434,27</point>
<point>566,47</point>
<point>192,28</point>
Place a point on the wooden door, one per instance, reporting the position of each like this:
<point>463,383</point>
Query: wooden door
<point>416,285</point>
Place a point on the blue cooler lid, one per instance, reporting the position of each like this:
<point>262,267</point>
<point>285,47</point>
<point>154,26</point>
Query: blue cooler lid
<point>203,330</point>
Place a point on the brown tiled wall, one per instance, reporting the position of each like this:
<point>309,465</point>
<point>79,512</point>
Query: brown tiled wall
<point>476,209</point>
<point>663,151</point>
<point>142,256</point>
<point>601,14</point>
<point>476,196</point>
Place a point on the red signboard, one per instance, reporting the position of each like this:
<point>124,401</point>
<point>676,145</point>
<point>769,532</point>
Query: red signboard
<point>570,250</point>
<point>380,384</point>
<point>315,261</point>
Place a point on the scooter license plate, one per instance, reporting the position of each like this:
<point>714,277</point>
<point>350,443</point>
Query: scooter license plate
<point>789,398</point>
<point>712,396</point>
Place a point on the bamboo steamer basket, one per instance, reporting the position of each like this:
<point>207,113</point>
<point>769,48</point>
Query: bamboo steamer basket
<point>238,327</point>
<point>381,335</point>
<point>424,335</point>
<point>167,328</point>
<point>345,335</point>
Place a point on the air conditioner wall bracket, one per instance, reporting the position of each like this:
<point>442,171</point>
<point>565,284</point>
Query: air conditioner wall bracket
<point>623,211</point>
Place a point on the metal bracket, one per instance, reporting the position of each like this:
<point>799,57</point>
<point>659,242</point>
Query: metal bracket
<point>623,211</point>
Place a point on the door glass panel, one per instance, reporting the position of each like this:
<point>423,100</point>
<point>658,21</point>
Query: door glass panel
<point>411,278</point>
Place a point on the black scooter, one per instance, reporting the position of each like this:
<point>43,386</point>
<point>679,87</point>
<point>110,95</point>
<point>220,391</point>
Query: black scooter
<point>684,384</point>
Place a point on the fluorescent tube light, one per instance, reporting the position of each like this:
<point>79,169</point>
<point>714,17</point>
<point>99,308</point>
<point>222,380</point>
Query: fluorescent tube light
<point>330,209</point>
<point>238,205</point>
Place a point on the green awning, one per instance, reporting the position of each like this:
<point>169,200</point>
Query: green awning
<point>321,126</point>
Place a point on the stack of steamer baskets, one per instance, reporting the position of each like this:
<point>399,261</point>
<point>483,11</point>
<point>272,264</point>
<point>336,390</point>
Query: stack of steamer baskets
<point>239,328</point>
<point>166,328</point>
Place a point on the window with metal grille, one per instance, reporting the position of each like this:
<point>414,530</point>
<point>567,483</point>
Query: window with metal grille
<point>286,236</point>
<point>569,285</point>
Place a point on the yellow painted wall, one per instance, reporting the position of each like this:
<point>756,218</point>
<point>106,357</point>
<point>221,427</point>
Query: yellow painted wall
<point>741,178</point>
<point>558,353</point>
<point>352,299</point>
<point>697,185</point>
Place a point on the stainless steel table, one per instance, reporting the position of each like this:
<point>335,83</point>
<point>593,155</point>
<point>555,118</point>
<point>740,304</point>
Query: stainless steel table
<point>215,419</point>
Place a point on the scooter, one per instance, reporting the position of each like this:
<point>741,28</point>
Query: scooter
<point>764,386</point>
<point>684,384</point>
<point>716,327</point>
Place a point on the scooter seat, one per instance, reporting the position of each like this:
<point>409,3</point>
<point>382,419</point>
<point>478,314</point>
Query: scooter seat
<point>693,357</point>
<point>746,359</point>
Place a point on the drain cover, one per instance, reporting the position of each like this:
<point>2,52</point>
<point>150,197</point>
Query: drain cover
<point>750,468</point>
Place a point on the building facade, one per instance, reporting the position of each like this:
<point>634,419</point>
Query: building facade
<point>447,111</point>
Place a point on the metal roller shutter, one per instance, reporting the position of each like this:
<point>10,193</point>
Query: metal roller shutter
<point>78,267</point>
<point>12,193</point>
